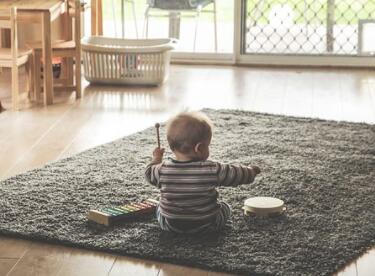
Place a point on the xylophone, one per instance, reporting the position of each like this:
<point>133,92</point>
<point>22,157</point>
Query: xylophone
<point>111,215</point>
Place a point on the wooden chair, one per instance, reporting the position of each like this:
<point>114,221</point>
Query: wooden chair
<point>68,49</point>
<point>178,6</point>
<point>13,57</point>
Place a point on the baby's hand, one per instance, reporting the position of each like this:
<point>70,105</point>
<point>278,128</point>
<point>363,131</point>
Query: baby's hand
<point>158,155</point>
<point>255,168</point>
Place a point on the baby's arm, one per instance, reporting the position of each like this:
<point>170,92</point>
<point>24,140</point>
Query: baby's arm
<point>234,175</point>
<point>152,169</point>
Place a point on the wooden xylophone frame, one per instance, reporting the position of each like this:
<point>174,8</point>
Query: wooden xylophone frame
<point>111,215</point>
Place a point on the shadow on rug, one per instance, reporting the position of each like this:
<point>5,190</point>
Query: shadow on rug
<point>323,170</point>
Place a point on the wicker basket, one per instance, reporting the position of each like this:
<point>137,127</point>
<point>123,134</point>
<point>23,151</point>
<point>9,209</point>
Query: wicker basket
<point>126,61</point>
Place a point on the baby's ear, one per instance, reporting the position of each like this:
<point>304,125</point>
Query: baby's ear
<point>197,147</point>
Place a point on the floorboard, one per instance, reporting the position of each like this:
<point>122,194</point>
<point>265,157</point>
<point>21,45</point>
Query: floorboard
<point>37,135</point>
<point>12,248</point>
<point>40,259</point>
<point>6,265</point>
<point>126,266</point>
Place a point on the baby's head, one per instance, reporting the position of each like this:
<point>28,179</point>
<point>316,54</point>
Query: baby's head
<point>189,134</point>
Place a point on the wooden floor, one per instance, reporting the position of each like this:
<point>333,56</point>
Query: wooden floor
<point>37,135</point>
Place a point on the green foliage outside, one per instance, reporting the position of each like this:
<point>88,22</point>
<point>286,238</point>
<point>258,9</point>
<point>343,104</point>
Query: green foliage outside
<point>225,10</point>
<point>314,11</point>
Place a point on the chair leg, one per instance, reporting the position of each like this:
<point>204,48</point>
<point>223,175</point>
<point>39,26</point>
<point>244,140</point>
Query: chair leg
<point>37,75</point>
<point>114,16</point>
<point>1,46</point>
<point>30,88</point>
<point>69,71</point>
<point>215,25</point>
<point>78,76</point>
<point>15,89</point>
<point>135,19</point>
<point>199,9</point>
<point>32,78</point>
<point>145,23</point>
<point>64,71</point>
<point>123,18</point>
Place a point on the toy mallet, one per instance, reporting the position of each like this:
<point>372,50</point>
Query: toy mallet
<point>157,126</point>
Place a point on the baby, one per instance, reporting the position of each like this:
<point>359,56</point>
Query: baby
<point>188,197</point>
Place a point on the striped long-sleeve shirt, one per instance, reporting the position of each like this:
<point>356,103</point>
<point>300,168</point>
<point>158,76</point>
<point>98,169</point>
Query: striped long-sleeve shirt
<point>188,189</point>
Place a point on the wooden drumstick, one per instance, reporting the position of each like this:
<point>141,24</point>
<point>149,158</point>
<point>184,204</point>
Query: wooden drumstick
<point>157,126</point>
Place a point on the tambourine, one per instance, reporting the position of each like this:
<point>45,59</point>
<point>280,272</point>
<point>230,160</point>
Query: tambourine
<point>263,206</point>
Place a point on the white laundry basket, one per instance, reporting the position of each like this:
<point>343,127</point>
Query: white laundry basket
<point>126,61</point>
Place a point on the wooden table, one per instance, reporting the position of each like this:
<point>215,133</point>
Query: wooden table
<point>44,11</point>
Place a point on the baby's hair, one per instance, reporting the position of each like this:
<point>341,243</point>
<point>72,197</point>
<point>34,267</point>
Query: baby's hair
<point>187,129</point>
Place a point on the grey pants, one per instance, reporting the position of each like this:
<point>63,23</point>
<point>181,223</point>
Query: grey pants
<point>221,220</point>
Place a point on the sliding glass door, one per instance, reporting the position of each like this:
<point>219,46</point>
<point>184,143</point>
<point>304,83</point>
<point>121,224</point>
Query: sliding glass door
<point>200,26</point>
<point>281,32</point>
<point>318,32</point>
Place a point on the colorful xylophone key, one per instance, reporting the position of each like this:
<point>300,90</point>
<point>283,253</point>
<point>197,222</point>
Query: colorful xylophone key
<point>110,215</point>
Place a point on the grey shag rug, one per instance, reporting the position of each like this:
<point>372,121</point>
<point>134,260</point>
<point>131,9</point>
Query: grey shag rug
<point>323,170</point>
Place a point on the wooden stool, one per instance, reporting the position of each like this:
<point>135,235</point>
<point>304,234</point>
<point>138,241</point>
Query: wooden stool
<point>68,50</point>
<point>62,49</point>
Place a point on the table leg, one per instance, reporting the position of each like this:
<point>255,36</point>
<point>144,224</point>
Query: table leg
<point>96,17</point>
<point>67,64</point>
<point>47,58</point>
<point>100,17</point>
<point>1,45</point>
<point>93,17</point>
<point>37,78</point>
<point>123,18</point>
